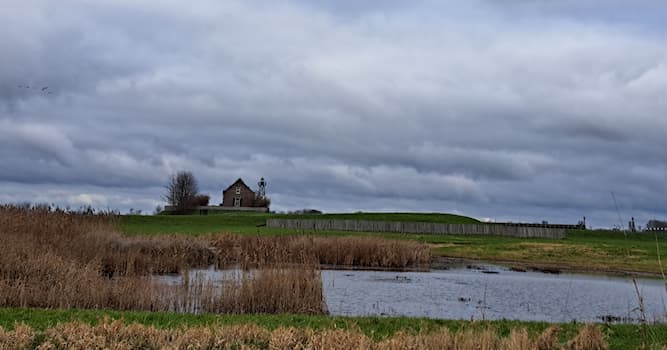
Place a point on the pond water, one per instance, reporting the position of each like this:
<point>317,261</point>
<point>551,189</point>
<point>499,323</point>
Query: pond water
<point>484,292</point>
<point>491,292</point>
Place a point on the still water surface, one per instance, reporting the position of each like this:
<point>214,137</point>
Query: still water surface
<point>483,292</point>
<point>492,292</point>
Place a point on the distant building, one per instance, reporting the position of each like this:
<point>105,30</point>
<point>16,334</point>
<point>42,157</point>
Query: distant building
<point>656,225</point>
<point>238,194</point>
<point>237,197</point>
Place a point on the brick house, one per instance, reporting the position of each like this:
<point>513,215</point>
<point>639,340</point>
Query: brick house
<point>238,194</point>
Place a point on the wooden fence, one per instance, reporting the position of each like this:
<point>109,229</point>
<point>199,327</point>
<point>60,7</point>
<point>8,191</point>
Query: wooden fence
<point>205,209</point>
<point>417,227</point>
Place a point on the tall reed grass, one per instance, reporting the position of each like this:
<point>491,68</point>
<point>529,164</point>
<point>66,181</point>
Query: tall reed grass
<point>110,334</point>
<point>94,239</point>
<point>56,259</point>
<point>366,252</point>
<point>293,289</point>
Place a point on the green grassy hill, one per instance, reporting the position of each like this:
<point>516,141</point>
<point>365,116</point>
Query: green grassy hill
<point>240,222</point>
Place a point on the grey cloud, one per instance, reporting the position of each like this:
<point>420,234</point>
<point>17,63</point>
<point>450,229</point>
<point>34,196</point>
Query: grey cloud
<point>433,106</point>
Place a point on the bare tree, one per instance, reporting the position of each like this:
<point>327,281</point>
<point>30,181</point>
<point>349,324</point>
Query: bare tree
<point>181,190</point>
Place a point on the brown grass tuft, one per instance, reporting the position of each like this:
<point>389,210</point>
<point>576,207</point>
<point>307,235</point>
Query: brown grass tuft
<point>548,340</point>
<point>442,339</point>
<point>288,338</point>
<point>484,340</point>
<point>338,339</point>
<point>22,337</point>
<point>589,338</point>
<point>517,340</point>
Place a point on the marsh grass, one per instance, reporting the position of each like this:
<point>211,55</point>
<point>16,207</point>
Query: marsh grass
<point>93,240</point>
<point>57,259</point>
<point>115,334</point>
<point>275,290</point>
<point>367,252</point>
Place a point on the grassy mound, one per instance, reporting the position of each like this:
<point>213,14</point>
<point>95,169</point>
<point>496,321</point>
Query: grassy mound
<point>241,222</point>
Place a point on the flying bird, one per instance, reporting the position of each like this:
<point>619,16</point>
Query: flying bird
<point>43,89</point>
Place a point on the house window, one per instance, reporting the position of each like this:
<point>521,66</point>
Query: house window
<point>238,189</point>
<point>237,202</point>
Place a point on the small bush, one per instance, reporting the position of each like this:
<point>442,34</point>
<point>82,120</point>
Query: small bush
<point>200,200</point>
<point>264,202</point>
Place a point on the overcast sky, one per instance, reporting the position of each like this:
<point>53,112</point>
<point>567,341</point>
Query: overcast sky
<point>508,110</point>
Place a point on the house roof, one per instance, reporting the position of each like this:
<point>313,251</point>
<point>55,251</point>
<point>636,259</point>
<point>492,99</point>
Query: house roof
<point>239,181</point>
<point>656,224</point>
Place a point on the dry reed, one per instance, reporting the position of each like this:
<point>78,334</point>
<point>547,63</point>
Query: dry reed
<point>590,338</point>
<point>368,252</point>
<point>56,259</point>
<point>114,334</point>
<point>269,290</point>
<point>548,340</point>
<point>22,337</point>
<point>60,259</point>
<point>95,239</point>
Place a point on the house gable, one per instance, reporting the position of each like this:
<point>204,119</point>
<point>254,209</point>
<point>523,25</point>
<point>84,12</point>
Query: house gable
<point>238,194</point>
<point>238,182</point>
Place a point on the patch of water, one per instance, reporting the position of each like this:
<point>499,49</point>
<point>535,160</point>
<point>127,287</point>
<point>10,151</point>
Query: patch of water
<point>502,294</point>
<point>481,292</point>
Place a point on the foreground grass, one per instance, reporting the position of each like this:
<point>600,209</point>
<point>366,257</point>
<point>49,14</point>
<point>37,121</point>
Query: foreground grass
<point>619,336</point>
<point>603,251</point>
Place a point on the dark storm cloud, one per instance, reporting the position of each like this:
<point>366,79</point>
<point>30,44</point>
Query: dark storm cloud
<point>522,111</point>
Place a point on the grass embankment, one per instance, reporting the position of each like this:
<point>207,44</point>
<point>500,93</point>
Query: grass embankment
<point>602,251</point>
<point>377,329</point>
<point>241,222</point>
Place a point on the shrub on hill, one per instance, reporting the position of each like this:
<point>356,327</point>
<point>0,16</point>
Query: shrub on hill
<point>200,200</point>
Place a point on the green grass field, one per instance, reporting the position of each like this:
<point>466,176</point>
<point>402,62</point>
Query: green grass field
<point>602,251</point>
<point>241,222</point>
<point>620,336</point>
